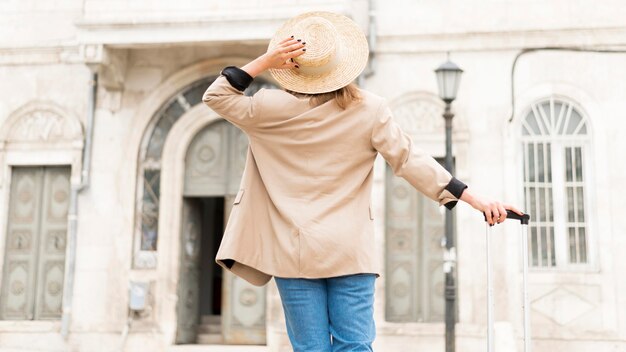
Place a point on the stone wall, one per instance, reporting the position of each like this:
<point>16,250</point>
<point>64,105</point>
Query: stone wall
<point>140,47</point>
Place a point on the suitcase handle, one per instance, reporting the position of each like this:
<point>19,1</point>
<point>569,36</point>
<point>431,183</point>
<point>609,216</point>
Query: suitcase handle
<point>510,214</point>
<point>524,219</point>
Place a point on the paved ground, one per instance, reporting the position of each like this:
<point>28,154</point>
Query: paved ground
<point>216,348</point>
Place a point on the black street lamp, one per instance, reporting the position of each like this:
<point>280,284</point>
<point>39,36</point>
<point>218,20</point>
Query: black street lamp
<point>448,79</point>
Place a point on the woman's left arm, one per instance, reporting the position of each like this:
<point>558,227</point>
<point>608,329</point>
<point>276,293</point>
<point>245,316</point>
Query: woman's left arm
<point>424,173</point>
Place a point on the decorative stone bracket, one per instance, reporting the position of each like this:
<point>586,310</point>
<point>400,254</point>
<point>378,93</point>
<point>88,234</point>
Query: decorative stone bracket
<point>110,64</point>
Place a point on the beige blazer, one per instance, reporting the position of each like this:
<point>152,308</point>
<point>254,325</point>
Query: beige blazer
<point>304,204</point>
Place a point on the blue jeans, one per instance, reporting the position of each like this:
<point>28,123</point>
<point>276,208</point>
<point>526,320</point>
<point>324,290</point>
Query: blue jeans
<point>332,314</point>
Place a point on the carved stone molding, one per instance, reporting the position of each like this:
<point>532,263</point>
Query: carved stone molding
<point>420,113</point>
<point>39,123</point>
<point>563,305</point>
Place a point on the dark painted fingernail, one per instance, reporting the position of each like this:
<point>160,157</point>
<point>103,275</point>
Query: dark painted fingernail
<point>297,66</point>
<point>304,49</point>
<point>299,40</point>
<point>291,59</point>
<point>292,36</point>
<point>303,42</point>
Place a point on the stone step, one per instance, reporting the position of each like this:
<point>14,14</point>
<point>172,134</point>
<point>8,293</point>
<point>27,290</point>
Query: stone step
<point>211,319</point>
<point>210,329</point>
<point>209,339</point>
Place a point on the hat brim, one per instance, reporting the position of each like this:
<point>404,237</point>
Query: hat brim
<point>352,61</point>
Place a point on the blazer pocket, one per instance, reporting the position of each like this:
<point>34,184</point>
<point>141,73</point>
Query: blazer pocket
<point>238,196</point>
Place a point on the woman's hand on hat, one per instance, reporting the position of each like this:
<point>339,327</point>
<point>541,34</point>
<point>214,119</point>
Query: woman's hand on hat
<point>278,57</point>
<point>495,211</point>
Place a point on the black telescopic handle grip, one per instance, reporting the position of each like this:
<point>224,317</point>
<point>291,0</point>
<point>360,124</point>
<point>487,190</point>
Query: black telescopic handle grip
<point>515,216</point>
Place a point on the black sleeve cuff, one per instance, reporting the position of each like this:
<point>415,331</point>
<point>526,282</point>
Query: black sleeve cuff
<point>450,204</point>
<point>456,187</point>
<point>237,77</point>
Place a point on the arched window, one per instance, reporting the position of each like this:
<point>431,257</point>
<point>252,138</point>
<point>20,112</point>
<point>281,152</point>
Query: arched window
<point>555,141</point>
<point>150,162</point>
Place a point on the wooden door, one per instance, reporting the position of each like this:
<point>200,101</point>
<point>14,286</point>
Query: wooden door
<point>413,254</point>
<point>33,275</point>
<point>214,165</point>
<point>243,305</point>
<point>188,306</point>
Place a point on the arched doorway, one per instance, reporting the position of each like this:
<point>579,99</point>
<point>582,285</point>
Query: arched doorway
<point>163,143</point>
<point>214,306</point>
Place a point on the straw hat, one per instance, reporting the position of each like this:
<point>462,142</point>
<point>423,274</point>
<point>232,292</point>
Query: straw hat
<point>336,52</point>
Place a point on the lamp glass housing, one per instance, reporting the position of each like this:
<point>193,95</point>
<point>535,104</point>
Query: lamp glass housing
<point>448,80</point>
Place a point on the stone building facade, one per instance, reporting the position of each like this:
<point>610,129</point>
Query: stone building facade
<point>115,180</point>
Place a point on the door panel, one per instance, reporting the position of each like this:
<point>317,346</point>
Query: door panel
<point>215,161</point>
<point>19,275</point>
<point>188,306</point>
<point>243,305</point>
<point>402,246</point>
<point>243,312</point>
<point>33,275</point>
<point>433,300</point>
<point>56,200</point>
<point>207,160</point>
<point>237,149</point>
<point>413,253</point>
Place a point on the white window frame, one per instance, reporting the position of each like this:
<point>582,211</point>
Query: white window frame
<point>558,143</point>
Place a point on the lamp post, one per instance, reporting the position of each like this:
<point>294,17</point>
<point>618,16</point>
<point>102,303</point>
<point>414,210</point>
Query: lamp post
<point>448,79</point>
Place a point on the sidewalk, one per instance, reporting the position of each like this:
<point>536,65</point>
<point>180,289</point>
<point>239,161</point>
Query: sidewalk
<point>217,348</point>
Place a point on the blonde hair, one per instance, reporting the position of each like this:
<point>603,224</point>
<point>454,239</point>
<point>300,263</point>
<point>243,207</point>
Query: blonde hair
<point>343,97</point>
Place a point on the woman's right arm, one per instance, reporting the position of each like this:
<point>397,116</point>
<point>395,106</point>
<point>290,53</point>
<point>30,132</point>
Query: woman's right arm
<point>226,98</point>
<point>225,95</point>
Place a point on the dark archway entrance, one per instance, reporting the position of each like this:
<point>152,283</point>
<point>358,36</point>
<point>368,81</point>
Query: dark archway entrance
<point>214,306</point>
